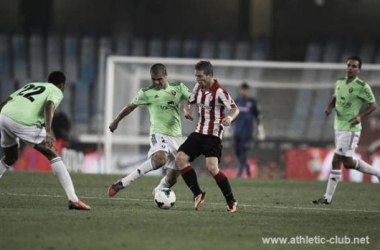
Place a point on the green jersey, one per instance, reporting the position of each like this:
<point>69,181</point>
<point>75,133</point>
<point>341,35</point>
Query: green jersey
<point>28,103</point>
<point>163,105</point>
<point>349,100</point>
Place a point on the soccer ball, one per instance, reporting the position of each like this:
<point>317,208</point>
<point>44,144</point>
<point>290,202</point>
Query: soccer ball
<point>164,198</point>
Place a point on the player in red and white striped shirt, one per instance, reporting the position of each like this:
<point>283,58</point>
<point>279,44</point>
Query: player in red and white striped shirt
<point>212,101</point>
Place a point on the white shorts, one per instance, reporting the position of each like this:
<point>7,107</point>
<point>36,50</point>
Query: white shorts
<point>11,131</point>
<point>346,142</point>
<point>169,144</point>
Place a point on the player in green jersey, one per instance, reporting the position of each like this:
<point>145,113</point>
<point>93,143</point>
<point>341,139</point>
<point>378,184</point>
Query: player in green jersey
<point>27,115</point>
<point>350,94</point>
<point>163,100</point>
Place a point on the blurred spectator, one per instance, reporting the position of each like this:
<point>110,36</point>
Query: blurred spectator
<point>249,117</point>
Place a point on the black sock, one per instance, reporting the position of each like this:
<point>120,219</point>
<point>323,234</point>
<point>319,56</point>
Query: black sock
<point>224,186</point>
<point>190,178</point>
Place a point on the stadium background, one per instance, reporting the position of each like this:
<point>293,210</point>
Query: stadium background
<point>37,37</point>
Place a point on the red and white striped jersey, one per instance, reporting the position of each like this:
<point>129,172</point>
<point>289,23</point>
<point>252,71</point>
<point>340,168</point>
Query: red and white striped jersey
<point>211,107</point>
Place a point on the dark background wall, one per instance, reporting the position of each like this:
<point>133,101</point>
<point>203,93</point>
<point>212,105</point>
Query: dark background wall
<point>290,18</point>
<point>304,19</point>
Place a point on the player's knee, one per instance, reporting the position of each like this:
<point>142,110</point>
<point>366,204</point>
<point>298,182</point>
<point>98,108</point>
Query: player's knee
<point>212,168</point>
<point>349,164</point>
<point>159,159</point>
<point>181,159</point>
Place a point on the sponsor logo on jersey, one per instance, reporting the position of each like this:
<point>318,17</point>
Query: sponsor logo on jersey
<point>173,92</point>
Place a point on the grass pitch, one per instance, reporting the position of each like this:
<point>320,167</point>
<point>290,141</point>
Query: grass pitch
<point>34,215</point>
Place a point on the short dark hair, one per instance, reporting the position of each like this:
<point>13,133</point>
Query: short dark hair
<point>57,77</point>
<point>356,58</point>
<point>205,66</point>
<point>158,68</point>
<point>244,85</point>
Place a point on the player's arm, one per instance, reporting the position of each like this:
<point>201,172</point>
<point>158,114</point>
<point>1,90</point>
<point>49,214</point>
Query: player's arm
<point>48,115</point>
<point>330,106</point>
<point>370,108</point>
<point>123,113</point>
<point>2,104</point>
<point>187,110</point>
<point>234,112</point>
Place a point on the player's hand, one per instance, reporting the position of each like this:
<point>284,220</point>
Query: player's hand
<point>113,126</point>
<point>227,121</point>
<point>356,120</point>
<point>328,110</point>
<point>49,140</point>
<point>189,115</point>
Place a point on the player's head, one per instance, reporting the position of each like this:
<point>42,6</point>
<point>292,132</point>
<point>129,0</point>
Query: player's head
<point>204,73</point>
<point>158,74</point>
<point>354,65</point>
<point>244,89</point>
<point>58,79</point>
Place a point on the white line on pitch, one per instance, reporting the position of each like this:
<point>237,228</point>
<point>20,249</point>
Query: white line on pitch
<point>211,203</point>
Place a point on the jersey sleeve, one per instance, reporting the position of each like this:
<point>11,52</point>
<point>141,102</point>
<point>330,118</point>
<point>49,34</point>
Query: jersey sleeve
<point>185,92</point>
<point>226,99</point>
<point>55,95</point>
<point>366,94</point>
<point>141,99</point>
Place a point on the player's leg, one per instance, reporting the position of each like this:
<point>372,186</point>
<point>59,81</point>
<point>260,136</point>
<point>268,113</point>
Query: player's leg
<point>10,157</point>
<point>9,144</point>
<point>168,181</point>
<point>213,152</point>
<point>361,166</point>
<point>238,150</point>
<point>222,182</point>
<point>343,139</point>
<point>187,152</point>
<point>60,170</point>
<point>172,171</point>
<point>155,161</point>
<point>157,157</point>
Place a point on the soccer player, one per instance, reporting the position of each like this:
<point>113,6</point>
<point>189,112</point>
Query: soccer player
<point>163,100</point>
<point>212,100</point>
<point>27,115</point>
<point>349,96</point>
<point>244,127</point>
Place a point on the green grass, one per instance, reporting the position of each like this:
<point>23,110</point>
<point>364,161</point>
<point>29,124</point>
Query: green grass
<point>34,215</point>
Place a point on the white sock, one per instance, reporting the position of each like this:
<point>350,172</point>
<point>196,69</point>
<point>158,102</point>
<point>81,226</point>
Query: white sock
<point>3,167</point>
<point>364,167</point>
<point>334,178</point>
<point>59,169</point>
<point>163,184</point>
<point>140,171</point>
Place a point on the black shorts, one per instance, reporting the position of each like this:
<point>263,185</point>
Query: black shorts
<point>198,144</point>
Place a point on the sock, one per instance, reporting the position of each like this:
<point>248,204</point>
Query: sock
<point>224,186</point>
<point>59,169</point>
<point>163,184</point>
<point>364,167</point>
<point>190,178</point>
<point>334,178</point>
<point>3,167</point>
<point>140,171</point>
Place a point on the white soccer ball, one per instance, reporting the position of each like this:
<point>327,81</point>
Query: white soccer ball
<point>164,198</point>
